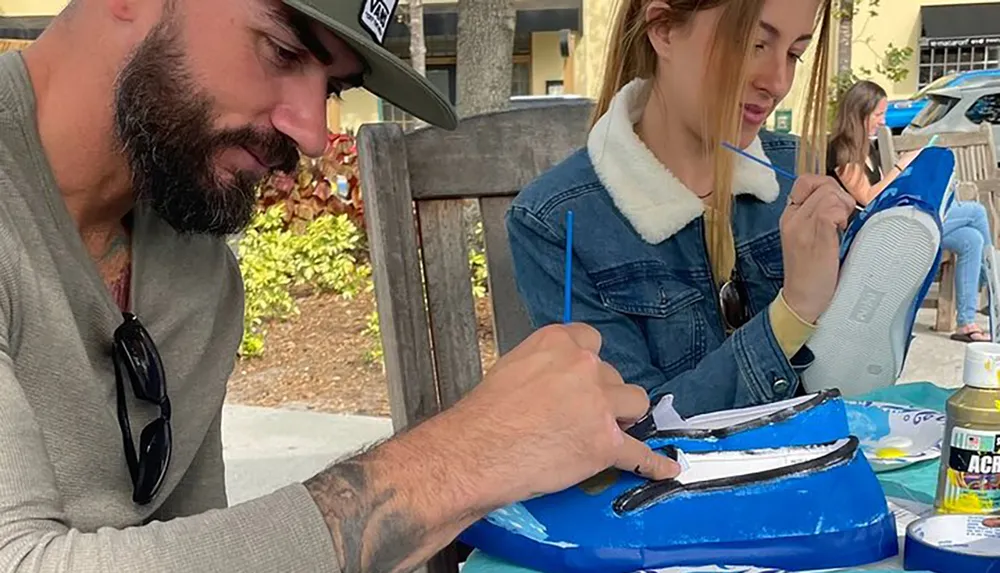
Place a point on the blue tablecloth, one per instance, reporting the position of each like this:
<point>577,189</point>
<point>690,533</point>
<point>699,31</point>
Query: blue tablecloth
<point>917,483</point>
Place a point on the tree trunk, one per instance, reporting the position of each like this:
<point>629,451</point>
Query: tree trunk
<point>845,38</point>
<point>485,55</point>
<point>484,66</point>
<point>418,48</point>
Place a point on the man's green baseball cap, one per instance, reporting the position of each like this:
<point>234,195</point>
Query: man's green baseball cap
<point>363,24</point>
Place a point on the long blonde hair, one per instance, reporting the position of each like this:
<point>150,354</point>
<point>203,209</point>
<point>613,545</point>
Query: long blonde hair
<point>630,55</point>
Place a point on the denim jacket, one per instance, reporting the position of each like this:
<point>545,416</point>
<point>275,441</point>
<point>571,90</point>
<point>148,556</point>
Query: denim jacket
<point>641,273</point>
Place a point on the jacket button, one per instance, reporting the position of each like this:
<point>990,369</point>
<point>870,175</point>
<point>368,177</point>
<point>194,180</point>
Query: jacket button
<point>780,386</point>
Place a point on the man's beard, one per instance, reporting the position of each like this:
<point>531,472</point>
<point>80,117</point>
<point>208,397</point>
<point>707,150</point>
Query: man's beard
<point>163,123</point>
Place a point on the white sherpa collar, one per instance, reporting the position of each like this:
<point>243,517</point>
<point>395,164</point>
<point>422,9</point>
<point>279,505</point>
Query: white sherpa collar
<point>654,201</point>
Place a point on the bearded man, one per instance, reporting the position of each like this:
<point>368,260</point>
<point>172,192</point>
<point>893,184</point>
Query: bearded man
<point>132,135</point>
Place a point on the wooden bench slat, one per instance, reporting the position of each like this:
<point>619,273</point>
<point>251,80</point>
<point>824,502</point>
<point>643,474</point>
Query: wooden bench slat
<point>957,139</point>
<point>449,298</point>
<point>396,272</point>
<point>509,151</point>
<point>510,318</point>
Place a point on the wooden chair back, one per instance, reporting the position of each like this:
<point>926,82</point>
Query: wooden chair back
<point>975,151</point>
<point>417,188</point>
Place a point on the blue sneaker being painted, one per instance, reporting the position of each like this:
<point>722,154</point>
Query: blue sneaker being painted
<point>799,508</point>
<point>812,419</point>
<point>889,258</point>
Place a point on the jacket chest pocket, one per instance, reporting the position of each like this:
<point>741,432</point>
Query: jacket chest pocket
<point>767,256</point>
<point>765,273</point>
<point>669,314</point>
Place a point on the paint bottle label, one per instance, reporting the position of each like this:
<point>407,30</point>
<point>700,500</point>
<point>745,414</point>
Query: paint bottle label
<point>972,473</point>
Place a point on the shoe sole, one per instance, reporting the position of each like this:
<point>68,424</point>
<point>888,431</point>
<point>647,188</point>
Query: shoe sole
<point>884,271</point>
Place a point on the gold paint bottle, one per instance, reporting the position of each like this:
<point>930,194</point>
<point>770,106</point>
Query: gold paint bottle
<point>969,480</point>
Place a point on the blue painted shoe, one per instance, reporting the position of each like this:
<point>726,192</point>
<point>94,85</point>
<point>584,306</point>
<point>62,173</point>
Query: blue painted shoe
<point>812,419</point>
<point>889,258</point>
<point>796,509</point>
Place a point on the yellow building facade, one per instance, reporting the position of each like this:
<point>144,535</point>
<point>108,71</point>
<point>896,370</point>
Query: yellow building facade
<point>560,46</point>
<point>945,36</point>
<point>31,7</point>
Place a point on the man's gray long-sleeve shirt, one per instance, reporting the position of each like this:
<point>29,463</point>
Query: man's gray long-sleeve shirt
<point>65,491</point>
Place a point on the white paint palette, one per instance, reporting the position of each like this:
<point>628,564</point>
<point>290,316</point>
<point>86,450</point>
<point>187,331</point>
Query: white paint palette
<point>894,437</point>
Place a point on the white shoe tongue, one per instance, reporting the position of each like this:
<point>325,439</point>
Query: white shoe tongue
<point>666,417</point>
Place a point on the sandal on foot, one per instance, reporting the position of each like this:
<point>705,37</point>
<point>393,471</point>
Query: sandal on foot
<point>975,335</point>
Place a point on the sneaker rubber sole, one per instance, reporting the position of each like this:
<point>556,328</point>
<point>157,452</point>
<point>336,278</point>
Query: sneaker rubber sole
<point>861,340</point>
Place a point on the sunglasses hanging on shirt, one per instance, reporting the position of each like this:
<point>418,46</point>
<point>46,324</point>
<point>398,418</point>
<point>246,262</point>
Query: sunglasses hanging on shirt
<point>136,358</point>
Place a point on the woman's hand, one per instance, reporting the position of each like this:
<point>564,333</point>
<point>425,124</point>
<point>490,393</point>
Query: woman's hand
<point>906,158</point>
<point>817,209</point>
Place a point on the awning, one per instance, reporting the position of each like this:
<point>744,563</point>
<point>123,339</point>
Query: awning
<point>23,27</point>
<point>960,25</point>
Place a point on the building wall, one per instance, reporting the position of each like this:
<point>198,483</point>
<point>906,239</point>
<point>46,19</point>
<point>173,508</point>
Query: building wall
<point>31,7</point>
<point>358,107</point>
<point>546,61</point>
<point>898,23</point>
<point>598,16</point>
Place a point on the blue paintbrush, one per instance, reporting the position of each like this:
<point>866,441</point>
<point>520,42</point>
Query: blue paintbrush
<point>770,166</point>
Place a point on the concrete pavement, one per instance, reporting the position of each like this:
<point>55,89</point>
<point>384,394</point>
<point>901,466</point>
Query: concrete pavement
<point>933,356</point>
<point>266,449</point>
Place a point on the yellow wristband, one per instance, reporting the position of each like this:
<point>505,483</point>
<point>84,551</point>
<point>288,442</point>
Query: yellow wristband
<point>791,330</point>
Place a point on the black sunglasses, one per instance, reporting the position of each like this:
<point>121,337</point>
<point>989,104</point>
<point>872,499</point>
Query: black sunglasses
<point>733,299</point>
<point>136,356</point>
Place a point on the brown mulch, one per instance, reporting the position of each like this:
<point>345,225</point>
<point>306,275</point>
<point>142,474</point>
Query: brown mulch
<point>319,360</point>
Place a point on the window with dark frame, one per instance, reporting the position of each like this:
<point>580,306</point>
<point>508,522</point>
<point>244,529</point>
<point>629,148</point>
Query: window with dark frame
<point>937,61</point>
<point>443,77</point>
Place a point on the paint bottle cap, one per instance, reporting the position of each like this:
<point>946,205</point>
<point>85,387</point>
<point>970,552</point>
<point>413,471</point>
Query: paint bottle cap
<point>982,366</point>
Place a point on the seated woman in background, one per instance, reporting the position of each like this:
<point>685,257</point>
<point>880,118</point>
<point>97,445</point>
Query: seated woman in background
<point>854,159</point>
<point>853,156</point>
<point>678,260</point>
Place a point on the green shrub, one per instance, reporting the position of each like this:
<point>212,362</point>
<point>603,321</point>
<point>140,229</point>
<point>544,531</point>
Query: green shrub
<point>266,254</point>
<point>275,260</point>
<point>328,256</point>
<point>374,332</point>
<point>477,262</point>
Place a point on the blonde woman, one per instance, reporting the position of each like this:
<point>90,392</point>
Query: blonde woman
<point>704,273</point>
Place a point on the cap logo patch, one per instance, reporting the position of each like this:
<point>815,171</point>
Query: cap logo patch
<point>376,16</point>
